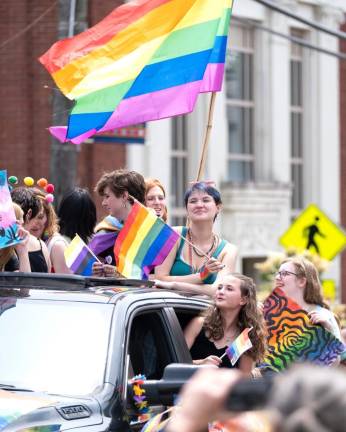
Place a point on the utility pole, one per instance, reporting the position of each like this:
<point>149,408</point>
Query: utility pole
<point>72,19</point>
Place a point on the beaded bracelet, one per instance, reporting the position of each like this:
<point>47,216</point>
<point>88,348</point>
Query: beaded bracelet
<point>204,274</point>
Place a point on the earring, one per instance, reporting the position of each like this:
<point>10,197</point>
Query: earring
<point>124,205</point>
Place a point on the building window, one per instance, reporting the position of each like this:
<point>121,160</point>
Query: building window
<point>179,170</point>
<point>296,120</point>
<point>240,104</point>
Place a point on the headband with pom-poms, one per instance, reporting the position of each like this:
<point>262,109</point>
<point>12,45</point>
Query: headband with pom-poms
<point>30,182</point>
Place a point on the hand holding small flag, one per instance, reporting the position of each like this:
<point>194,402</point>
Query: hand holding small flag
<point>79,258</point>
<point>240,345</point>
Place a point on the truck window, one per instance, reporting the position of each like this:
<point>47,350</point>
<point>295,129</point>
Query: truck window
<point>149,346</point>
<point>186,315</point>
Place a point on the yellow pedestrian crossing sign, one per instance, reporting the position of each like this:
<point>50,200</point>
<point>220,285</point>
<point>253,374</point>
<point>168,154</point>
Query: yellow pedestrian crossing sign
<point>314,231</point>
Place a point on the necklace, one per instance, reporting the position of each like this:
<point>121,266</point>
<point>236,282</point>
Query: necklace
<point>201,255</point>
<point>196,269</point>
<point>231,337</point>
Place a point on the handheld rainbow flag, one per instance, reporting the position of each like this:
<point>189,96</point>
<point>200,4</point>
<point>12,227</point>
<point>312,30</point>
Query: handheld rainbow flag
<point>292,337</point>
<point>147,60</point>
<point>239,346</point>
<point>143,243</point>
<point>79,258</point>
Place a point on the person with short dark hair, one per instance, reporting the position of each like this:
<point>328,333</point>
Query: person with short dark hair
<point>122,184</point>
<point>119,189</point>
<point>194,264</point>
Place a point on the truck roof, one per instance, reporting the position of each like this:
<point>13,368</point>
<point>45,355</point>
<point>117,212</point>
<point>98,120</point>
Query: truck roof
<point>42,286</point>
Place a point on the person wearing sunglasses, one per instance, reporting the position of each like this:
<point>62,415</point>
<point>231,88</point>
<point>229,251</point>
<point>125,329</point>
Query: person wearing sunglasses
<point>298,279</point>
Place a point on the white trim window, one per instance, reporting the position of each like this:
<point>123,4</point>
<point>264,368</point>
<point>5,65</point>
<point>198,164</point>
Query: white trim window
<point>239,76</point>
<point>179,170</point>
<point>296,122</point>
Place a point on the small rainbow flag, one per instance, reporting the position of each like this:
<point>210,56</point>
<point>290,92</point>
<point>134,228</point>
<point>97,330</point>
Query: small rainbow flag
<point>239,346</point>
<point>147,60</point>
<point>79,258</point>
<point>143,243</point>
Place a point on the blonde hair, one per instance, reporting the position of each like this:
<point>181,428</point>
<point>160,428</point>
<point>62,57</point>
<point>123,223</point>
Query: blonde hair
<point>249,316</point>
<point>313,289</point>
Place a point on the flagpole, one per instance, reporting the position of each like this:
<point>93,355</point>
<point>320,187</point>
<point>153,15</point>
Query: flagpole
<point>92,253</point>
<point>207,137</point>
<point>181,236</point>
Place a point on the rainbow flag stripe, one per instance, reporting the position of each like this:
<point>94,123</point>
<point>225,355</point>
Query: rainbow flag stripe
<point>239,346</point>
<point>292,337</point>
<point>147,60</point>
<point>143,243</point>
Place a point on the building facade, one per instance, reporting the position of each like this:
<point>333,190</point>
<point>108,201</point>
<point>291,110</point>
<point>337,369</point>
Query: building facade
<point>277,139</point>
<point>275,143</point>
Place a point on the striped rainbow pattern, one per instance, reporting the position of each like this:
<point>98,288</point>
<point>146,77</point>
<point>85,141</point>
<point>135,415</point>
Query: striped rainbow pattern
<point>147,60</point>
<point>143,243</point>
<point>239,346</point>
<point>79,258</point>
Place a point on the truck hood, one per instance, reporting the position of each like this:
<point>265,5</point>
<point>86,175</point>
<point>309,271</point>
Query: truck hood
<point>38,412</point>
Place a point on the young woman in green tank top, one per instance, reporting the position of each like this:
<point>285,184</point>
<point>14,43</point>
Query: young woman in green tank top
<point>195,264</point>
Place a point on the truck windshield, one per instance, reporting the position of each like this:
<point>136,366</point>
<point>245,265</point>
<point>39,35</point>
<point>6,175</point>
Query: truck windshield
<point>56,347</point>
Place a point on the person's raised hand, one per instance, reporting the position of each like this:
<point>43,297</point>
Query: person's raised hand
<point>317,317</point>
<point>213,265</point>
<point>24,237</point>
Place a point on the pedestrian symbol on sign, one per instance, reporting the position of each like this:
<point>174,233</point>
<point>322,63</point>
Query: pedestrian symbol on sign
<point>315,231</point>
<point>311,232</point>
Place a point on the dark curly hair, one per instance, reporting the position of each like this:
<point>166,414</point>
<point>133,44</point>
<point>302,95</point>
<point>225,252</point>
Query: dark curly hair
<point>249,316</point>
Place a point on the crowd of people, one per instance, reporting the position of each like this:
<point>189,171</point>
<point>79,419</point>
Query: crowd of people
<point>200,262</point>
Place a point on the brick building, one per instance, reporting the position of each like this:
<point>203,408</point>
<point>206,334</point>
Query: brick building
<point>263,185</point>
<point>26,108</point>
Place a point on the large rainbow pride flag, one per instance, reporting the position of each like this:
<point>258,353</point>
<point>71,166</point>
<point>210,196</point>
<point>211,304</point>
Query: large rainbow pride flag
<point>147,60</point>
<point>292,338</point>
<point>143,243</point>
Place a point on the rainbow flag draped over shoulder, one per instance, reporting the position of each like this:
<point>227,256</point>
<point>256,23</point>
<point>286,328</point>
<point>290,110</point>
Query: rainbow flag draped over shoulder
<point>143,243</point>
<point>147,60</point>
<point>292,337</point>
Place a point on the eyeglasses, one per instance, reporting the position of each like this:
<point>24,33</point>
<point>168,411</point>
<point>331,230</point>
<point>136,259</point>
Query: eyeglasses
<point>284,273</point>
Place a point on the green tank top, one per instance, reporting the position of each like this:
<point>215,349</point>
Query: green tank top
<point>182,268</point>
